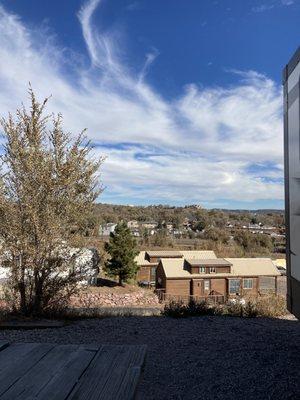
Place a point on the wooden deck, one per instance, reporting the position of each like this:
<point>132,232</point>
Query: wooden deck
<point>43,371</point>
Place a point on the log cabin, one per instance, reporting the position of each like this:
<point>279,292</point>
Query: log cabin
<point>217,277</point>
<point>148,261</point>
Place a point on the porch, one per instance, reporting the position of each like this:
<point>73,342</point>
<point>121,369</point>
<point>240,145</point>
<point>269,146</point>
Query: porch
<point>210,299</point>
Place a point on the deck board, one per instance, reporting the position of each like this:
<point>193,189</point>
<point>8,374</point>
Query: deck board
<point>110,372</point>
<point>16,360</point>
<point>3,344</point>
<point>69,372</point>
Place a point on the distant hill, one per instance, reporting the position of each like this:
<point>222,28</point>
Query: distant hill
<point>177,215</point>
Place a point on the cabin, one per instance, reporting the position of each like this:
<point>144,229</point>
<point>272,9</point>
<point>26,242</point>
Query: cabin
<point>215,277</point>
<point>147,261</point>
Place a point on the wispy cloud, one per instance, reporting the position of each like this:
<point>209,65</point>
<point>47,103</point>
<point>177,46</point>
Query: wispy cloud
<point>287,2</point>
<point>209,145</point>
<point>262,8</point>
<point>150,58</point>
<point>271,4</point>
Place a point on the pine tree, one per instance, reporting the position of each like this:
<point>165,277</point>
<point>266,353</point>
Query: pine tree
<point>122,250</point>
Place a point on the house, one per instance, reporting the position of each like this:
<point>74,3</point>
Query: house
<point>184,277</point>
<point>107,229</point>
<point>85,261</point>
<point>148,261</point>
<point>150,225</point>
<point>133,224</point>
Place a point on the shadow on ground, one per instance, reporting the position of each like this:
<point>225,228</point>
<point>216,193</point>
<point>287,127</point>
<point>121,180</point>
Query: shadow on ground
<point>198,358</point>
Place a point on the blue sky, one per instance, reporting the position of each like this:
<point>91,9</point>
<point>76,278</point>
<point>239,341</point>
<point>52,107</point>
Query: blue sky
<point>183,97</point>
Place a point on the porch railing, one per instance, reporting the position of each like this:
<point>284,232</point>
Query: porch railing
<point>167,297</point>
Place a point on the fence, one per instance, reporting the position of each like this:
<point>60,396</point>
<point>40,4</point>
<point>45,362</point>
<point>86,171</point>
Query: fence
<point>167,297</point>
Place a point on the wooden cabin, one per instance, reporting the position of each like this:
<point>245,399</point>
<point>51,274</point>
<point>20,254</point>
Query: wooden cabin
<point>230,277</point>
<point>149,260</point>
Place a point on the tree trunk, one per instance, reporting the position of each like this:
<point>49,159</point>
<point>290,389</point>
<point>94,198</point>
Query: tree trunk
<point>22,288</point>
<point>38,295</point>
<point>23,305</point>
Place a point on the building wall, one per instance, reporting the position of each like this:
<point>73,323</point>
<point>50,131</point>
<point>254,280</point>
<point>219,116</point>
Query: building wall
<point>186,287</point>
<point>179,287</point>
<point>143,274</point>
<point>219,285</point>
<point>244,292</point>
<point>219,270</point>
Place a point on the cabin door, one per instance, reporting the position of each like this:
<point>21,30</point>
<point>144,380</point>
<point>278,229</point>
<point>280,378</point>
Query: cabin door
<point>198,288</point>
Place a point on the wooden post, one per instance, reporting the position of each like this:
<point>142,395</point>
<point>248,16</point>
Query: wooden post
<point>276,285</point>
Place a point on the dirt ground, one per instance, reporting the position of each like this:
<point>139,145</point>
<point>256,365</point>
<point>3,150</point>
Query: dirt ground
<point>197,358</point>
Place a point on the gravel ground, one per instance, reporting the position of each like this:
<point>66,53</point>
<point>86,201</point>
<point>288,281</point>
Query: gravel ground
<point>198,358</point>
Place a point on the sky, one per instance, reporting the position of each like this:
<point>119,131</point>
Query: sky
<point>182,97</point>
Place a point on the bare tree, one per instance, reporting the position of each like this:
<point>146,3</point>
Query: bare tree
<point>48,184</point>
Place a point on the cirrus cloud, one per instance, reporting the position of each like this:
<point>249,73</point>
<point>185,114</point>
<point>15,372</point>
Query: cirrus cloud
<point>211,145</point>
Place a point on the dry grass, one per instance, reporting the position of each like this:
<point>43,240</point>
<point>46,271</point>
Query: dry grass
<point>268,307</point>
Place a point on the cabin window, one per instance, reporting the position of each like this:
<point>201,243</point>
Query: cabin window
<point>201,270</point>
<point>234,286</point>
<point>212,270</point>
<point>248,283</point>
<point>206,285</point>
<point>153,272</point>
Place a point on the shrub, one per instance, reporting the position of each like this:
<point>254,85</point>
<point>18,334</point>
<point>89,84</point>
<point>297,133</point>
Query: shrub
<point>250,309</point>
<point>271,306</point>
<point>196,308</point>
<point>175,309</point>
<point>233,308</point>
<point>178,309</point>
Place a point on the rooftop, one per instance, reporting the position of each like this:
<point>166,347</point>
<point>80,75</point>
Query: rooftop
<point>221,262</point>
<point>164,253</point>
<point>174,268</point>
<point>187,254</point>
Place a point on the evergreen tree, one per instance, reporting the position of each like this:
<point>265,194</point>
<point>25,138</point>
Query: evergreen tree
<point>122,250</point>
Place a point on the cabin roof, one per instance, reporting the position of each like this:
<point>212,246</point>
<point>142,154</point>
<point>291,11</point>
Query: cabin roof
<point>164,253</point>
<point>187,254</point>
<point>175,268</point>
<point>221,262</point>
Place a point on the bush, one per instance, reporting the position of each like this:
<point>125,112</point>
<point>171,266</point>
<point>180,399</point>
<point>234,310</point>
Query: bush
<point>178,309</point>
<point>196,308</point>
<point>175,309</point>
<point>271,306</point>
<point>268,307</point>
<point>250,309</point>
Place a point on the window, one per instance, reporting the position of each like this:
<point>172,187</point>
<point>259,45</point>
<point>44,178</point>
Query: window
<point>201,270</point>
<point>153,273</point>
<point>206,285</point>
<point>212,270</point>
<point>248,283</point>
<point>234,286</point>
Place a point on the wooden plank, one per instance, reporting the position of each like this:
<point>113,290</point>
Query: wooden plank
<point>31,383</point>
<point>113,374</point>
<point>17,359</point>
<point>123,382</point>
<point>3,344</point>
<point>129,384</point>
<point>65,378</point>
